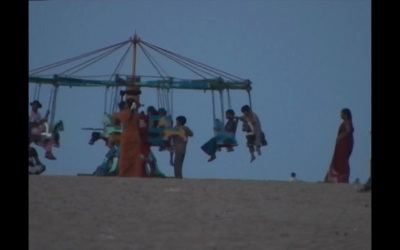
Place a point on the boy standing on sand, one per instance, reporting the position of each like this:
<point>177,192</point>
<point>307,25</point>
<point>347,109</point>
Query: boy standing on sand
<point>180,146</point>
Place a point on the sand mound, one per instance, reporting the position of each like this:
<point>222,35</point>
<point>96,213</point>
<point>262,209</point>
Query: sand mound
<point>82,213</point>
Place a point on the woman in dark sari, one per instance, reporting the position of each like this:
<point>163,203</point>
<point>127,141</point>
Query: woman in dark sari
<point>339,170</point>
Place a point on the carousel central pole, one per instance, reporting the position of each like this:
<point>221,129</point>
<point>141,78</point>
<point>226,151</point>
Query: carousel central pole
<point>133,91</point>
<point>134,41</point>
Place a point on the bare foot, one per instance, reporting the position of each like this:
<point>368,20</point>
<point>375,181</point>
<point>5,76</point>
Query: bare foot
<point>212,158</point>
<point>49,156</point>
<point>252,159</point>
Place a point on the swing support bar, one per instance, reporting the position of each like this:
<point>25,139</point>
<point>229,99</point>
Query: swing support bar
<point>202,84</point>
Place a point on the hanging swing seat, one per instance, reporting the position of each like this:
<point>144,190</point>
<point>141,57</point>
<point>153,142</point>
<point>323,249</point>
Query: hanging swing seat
<point>112,130</point>
<point>107,120</point>
<point>168,132</point>
<point>225,139</point>
<point>109,162</point>
<point>46,134</point>
<point>109,126</point>
<point>163,121</point>
<point>49,133</point>
<point>165,133</point>
<point>155,134</point>
<point>110,165</point>
<point>109,131</point>
<point>114,164</point>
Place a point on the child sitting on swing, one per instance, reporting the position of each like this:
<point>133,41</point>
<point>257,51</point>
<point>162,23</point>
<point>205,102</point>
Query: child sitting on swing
<point>164,123</point>
<point>254,135</point>
<point>36,124</point>
<point>210,147</point>
<point>152,111</point>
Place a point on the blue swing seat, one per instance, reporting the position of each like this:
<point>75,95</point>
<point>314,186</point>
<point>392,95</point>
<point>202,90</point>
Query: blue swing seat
<point>162,120</point>
<point>225,139</point>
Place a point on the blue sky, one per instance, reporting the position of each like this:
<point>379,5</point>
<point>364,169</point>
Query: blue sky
<point>307,60</point>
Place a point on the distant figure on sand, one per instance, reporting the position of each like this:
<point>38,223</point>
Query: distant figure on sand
<point>339,170</point>
<point>130,163</point>
<point>252,127</point>
<point>293,177</point>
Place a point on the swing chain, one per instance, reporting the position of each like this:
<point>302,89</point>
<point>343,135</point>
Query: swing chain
<point>36,94</point>
<point>249,94</point>
<point>53,102</point>
<point>229,99</point>
<point>171,111</point>
<point>213,107</point>
<point>51,98</point>
<point>39,89</point>
<point>105,100</point>
<point>116,99</point>
<point>158,95</point>
<point>248,89</point>
<point>167,100</point>
<point>111,106</point>
<point>221,96</point>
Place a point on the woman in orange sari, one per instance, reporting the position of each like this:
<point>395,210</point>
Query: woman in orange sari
<point>129,159</point>
<point>339,170</point>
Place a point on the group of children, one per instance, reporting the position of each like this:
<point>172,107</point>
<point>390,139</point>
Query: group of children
<point>251,126</point>
<point>176,145</point>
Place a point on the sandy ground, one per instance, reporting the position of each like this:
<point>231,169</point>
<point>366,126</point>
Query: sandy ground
<point>95,213</point>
